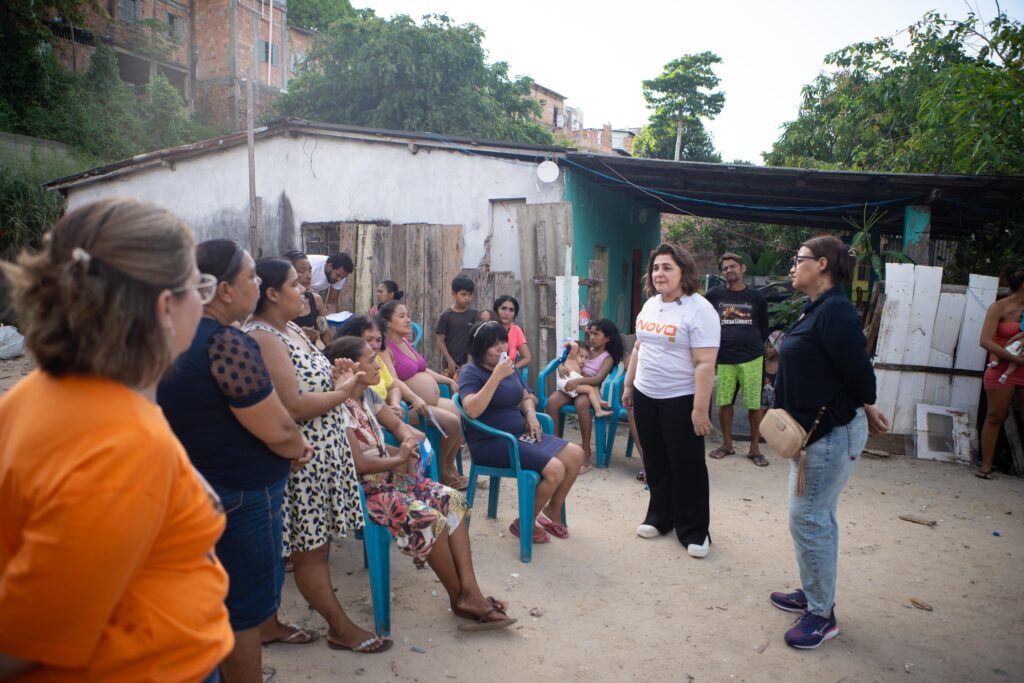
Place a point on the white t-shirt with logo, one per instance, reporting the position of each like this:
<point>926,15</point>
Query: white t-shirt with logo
<point>666,333</point>
<point>319,281</point>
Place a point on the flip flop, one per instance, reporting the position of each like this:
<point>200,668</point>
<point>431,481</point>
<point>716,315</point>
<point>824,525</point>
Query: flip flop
<point>982,474</point>
<point>363,648</point>
<point>539,535</point>
<point>552,527</point>
<point>458,483</point>
<point>721,452</point>
<point>758,459</point>
<point>485,624</point>
<point>298,636</point>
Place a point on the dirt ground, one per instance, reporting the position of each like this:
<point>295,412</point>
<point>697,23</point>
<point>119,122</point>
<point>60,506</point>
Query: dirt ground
<point>614,607</point>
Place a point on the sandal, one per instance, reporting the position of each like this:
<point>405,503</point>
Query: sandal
<point>641,475</point>
<point>758,459</point>
<point>485,624</point>
<point>984,474</point>
<point>539,535</point>
<point>552,527</point>
<point>366,647</point>
<point>298,636</point>
<point>459,483</point>
<point>721,452</point>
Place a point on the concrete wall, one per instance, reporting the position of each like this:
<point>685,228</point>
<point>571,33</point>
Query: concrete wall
<point>319,179</point>
<point>608,219</point>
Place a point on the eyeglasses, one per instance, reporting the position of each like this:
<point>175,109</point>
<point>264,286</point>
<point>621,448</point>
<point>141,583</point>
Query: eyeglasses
<point>795,261</point>
<point>206,288</point>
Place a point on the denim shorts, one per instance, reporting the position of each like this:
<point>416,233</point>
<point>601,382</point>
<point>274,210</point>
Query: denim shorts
<point>250,551</point>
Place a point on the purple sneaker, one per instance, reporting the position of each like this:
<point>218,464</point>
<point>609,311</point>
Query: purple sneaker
<point>810,631</point>
<point>790,602</point>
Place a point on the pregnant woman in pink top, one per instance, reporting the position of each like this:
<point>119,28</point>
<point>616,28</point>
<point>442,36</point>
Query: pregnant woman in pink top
<point>421,390</point>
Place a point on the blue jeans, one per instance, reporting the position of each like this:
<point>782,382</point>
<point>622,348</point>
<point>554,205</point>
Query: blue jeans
<point>250,551</point>
<point>812,517</point>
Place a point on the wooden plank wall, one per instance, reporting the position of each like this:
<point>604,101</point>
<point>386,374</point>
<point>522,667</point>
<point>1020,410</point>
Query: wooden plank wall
<point>423,259</point>
<point>981,293</point>
<point>545,234</point>
<point>892,334</point>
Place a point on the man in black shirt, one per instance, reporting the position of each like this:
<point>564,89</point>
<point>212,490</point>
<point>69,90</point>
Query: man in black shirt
<point>744,315</point>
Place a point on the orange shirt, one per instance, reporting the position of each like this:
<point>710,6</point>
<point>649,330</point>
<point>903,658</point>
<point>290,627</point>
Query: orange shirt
<point>107,569</point>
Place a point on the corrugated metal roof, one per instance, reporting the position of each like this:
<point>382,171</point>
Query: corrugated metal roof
<point>808,197</point>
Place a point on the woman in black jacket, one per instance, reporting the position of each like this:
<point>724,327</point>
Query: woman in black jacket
<point>826,382</point>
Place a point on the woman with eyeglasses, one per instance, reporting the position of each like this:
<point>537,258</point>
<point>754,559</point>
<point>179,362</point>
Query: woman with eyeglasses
<point>107,532</point>
<point>321,500</point>
<point>220,402</point>
<point>826,382</point>
<point>507,309</point>
<point>492,392</point>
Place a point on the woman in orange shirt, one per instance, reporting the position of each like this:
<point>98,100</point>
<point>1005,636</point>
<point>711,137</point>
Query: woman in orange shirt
<point>107,569</point>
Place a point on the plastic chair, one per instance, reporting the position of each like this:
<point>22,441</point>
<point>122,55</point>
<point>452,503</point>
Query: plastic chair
<point>619,412</point>
<point>417,334</point>
<point>377,558</point>
<point>526,480</point>
<point>601,424</point>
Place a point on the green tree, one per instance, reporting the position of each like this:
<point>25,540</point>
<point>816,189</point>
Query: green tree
<point>682,95</point>
<point>318,14</point>
<point>393,73</point>
<point>953,102</point>
<point>657,141</point>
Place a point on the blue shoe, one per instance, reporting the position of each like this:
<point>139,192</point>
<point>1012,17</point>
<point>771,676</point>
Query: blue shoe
<point>811,631</point>
<point>790,602</point>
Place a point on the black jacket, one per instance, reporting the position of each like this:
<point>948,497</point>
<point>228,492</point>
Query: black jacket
<point>824,362</point>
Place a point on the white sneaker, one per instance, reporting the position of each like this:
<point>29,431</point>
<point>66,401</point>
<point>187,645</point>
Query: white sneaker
<point>647,531</point>
<point>697,550</point>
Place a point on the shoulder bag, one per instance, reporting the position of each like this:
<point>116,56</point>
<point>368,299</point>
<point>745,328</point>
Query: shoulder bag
<point>786,437</point>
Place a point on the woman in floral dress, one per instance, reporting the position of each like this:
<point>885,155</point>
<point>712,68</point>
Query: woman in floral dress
<point>426,519</point>
<point>321,500</point>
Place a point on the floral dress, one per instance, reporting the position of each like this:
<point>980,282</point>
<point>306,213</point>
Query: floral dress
<point>416,511</point>
<point>321,500</point>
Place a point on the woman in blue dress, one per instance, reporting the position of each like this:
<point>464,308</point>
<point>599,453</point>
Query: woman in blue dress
<point>493,392</point>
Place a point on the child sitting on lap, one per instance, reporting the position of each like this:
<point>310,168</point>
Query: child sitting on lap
<point>575,363</point>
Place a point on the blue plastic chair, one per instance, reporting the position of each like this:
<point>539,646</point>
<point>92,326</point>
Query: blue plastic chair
<point>526,480</point>
<point>601,424</point>
<point>377,558</point>
<point>417,334</point>
<point>619,412</point>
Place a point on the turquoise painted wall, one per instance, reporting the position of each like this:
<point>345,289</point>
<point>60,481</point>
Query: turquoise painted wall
<point>603,217</point>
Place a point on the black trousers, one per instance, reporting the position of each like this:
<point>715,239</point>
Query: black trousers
<point>677,472</point>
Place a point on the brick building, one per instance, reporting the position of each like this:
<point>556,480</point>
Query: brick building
<point>606,140</point>
<point>206,49</point>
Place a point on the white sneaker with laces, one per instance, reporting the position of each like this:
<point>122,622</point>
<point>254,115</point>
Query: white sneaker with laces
<point>647,531</point>
<point>701,550</point>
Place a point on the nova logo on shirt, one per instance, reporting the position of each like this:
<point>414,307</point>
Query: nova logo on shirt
<point>658,328</point>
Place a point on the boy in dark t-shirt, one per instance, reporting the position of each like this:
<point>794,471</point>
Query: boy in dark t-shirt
<point>744,315</point>
<point>454,325</point>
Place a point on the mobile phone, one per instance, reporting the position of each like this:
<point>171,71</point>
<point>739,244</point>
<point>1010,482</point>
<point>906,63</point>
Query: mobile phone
<point>526,438</point>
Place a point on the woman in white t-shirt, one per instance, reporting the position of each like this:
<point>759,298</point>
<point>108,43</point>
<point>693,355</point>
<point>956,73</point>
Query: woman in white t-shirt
<point>668,384</point>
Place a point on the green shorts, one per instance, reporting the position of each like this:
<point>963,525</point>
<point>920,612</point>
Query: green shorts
<point>748,375</point>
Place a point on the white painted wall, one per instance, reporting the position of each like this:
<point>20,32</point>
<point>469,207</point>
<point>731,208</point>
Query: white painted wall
<point>315,179</point>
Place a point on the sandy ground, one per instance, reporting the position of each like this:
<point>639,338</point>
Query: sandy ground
<point>615,607</point>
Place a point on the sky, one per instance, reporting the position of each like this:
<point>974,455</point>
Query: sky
<point>598,54</point>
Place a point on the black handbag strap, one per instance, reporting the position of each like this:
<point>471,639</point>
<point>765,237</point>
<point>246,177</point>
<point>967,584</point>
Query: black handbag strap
<point>817,420</point>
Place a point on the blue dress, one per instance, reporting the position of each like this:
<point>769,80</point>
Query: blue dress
<point>503,413</point>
